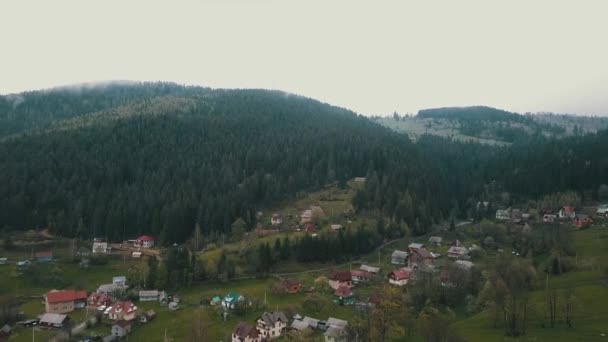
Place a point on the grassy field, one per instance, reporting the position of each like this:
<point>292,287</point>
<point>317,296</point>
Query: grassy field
<point>590,291</point>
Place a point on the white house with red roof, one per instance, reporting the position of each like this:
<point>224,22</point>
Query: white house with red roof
<point>126,311</point>
<point>144,241</point>
<point>64,301</point>
<point>400,276</point>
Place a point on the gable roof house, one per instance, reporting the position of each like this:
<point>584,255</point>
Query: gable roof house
<point>98,299</point>
<point>400,276</point>
<point>271,325</point>
<point>359,276</point>
<point>53,320</point>
<point>100,247</point>
<point>343,295</point>
<point>566,212</point>
<point>306,216</point>
<point>340,278</point>
<point>582,220</point>
<point>144,241</point>
<point>246,333</point>
<point>335,227</point>
<point>436,240</point>
<point>121,328</point>
<point>5,332</point>
<point>549,218</point>
<point>148,295</point>
<point>415,246</point>
<point>64,301</point>
<point>370,269</point>
<point>336,330</point>
<point>457,252</point>
<point>419,258</point>
<point>126,311</point>
<point>276,219</point>
<point>503,214</point>
<point>231,299</point>
<point>399,257</point>
<point>119,281</point>
<point>44,256</point>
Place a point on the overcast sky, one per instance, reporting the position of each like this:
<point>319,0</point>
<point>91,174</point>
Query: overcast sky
<point>374,57</point>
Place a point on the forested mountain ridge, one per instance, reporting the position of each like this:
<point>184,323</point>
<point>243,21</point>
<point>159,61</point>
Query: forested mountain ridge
<point>490,125</point>
<point>160,164</point>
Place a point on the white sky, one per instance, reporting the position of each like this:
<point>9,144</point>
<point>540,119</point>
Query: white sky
<point>374,57</point>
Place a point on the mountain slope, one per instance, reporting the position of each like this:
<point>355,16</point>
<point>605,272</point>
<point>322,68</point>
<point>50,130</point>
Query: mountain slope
<point>490,125</point>
<point>161,164</point>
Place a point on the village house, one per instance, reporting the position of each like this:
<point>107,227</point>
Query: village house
<point>276,219</point>
<point>231,299</point>
<point>64,301</point>
<point>400,276</point>
<point>121,328</point>
<point>336,330</point>
<point>310,228</point>
<point>109,289</point>
<point>359,276</point>
<point>306,216</point>
<point>436,240</point>
<point>44,256</point>
<point>370,269</point>
<point>340,278</point>
<point>291,286</point>
<point>415,246</point>
<point>359,179</point>
<point>271,325</point>
<point>299,325</point>
<point>336,227</point>
<point>97,300</point>
<point>246,333</point>
<point>83,252</point>
<point>99,247</point>
<point>148,295</point>
<point>343,295</point>
<point>582,220</point>
<point>23,265</point>
<point>53,320</point>
<point>147,316</point>
<point>503,214</point>
<point>566,212</point>
<point>136,254</point>
<point>457,252</point>
<point>399,257</point>
<point>419,258</point>
<point>549,218</point>
<point>126,311</point>
<point>144,241</point>
<point>5,332</point>
<point>119,281</point>
<point>3,261</point>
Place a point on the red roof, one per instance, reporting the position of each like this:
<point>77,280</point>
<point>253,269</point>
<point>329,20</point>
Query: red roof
<point>127,307</point>
<point>65,296</point>
<point>98,299</point>
<point>402,273</point>
<point>568,209</point>
<point>45,254</point>
<point>343,291</point>
<point>145,238</point>
<point>341,276</point>
<point>359,273</point>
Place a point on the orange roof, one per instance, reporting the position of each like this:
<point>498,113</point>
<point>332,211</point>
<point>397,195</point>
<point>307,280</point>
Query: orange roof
<point>65,296</point>
<point>145,238</point>
<point>402,273</point>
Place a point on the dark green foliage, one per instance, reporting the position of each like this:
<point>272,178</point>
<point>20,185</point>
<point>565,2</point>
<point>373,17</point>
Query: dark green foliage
<point>340,247</point>
<point>164,167</point>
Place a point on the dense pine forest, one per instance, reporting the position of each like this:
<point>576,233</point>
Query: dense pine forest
<point>158,158</point>
<point>162,164</point>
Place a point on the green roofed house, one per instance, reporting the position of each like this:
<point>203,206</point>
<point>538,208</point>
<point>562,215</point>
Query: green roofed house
<point>343,296</point>
<point>216,300</point>
<point>230,300</point>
